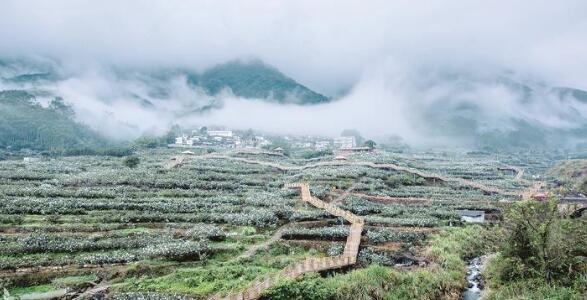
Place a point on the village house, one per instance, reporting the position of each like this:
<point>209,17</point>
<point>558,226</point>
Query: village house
<point>345,142</point>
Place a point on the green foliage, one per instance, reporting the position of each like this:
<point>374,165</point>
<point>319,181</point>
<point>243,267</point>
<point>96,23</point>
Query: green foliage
<point>370,144</point>
<point>178,250</point>
<point>149,296</point>
<point>453,244</point>
<point>315,154</point>
<point>336,232</point>
<point>571,175</point>
<point>442,280</point>
<point>536,289</point>
<point>205,231</point>
<point>541,244</point>
<point>382,235</point>
<point>131,161</point>
<point>18,291</point>
<point>279,143</point>
<point>97,151</point>
<point>111,214</point>
<point>309,286</point>
<point>75,282</point>
<point>26,124</point>
<point>150,142</point>
<point>403,179</point>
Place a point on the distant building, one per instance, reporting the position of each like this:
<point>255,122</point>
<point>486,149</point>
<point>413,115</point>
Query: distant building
<point>30,159</point>
<point>220,133</point>
<point>357,149</point>
<point>321,145</point>
<point>345,142</point>
<point>218,138</point>
<point>184,140</point>
<point>261,141</point>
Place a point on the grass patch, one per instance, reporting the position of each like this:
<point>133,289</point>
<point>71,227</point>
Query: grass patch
<point>18,291</point>
<point>216,275</point>
<point>536,289</point>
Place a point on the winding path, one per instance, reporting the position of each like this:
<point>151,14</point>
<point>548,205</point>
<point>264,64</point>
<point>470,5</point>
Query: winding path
<point>348,257</point>
<point>264,245</point>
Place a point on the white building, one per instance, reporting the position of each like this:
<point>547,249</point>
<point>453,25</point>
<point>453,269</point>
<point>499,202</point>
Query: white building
<point>31,159</point>
<point>184,140</point>
<point>220,133</point>
<point>322,145</point>
<point>345,142</point>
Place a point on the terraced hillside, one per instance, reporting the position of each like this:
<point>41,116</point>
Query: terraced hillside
<point>218,223</point>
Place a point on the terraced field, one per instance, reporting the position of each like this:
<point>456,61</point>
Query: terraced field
<point>209,225</point>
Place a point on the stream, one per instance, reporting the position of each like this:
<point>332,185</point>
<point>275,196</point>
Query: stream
<point>474,280</point>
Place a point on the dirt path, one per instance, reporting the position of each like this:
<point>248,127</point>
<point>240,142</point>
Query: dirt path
<point>93,292</point>
<point>265,245</point>
<point>176,161</point>
<point>338,200</point>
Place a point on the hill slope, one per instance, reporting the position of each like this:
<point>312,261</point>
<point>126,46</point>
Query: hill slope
<point>26,124</point>
<point>572,174</point>
<point>256,80</point>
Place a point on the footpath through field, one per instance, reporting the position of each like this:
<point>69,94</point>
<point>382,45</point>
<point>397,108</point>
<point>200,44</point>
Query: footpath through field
<point>348,257</point>
<point>386,166</point>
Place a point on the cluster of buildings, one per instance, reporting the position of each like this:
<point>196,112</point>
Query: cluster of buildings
<point>343,143</point>
<point>237,139</point>
<point>219,138</point>
<point>319,144</point>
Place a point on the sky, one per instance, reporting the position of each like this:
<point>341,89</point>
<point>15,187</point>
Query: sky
<point>371,54</point>
<point>326,45</point>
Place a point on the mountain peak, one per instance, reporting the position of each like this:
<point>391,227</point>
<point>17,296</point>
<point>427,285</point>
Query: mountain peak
<point>256,79</point>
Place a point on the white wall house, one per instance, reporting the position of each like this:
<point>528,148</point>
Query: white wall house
<point>345,142</point>
<point>184,140</point>
<point>322,145</point>
<point>220,133</point>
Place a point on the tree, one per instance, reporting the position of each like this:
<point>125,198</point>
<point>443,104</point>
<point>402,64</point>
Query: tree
<point>173,132</point>
<point>370,143</point>
<point>353,132</point>
<point>149,142</point>
<point>542,244</point>
<point>131,161</point>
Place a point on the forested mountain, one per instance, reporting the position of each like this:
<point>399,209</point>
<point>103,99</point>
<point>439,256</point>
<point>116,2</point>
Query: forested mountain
<point>255,80</point>
<point>250,79</point>
<point>24,123</point>
<point>501,110</point>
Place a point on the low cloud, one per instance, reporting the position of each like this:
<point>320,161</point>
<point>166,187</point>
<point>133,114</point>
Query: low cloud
<point>396,68</point>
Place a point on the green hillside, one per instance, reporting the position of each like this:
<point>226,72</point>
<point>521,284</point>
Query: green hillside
<point>572,174</point>
<point>256,80</point>
<point>26,124</point>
